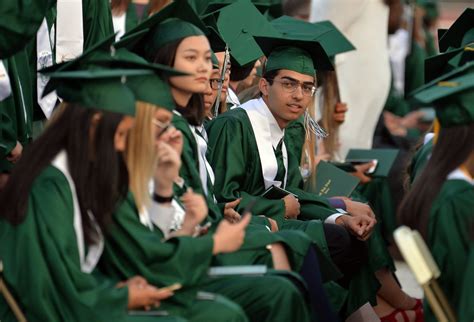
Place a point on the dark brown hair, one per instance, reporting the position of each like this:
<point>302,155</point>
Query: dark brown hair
<point>120,6</point>
<point>453,147</point>
<point>97,169</point>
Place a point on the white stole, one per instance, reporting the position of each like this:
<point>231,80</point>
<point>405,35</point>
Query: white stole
<point>5,87</point>
<point>205,168</point>
<point>88,261</point>
<point>119,25</point>
<point>44,57</point>
<point>261,128</point>
<point>69,30</point>
<point>232,98</point>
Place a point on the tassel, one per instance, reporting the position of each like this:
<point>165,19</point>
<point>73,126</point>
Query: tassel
<point>311,126</point>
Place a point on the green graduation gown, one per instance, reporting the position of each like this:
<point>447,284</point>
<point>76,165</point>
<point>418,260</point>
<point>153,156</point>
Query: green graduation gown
<point>135,249</point>
<point>19,22</point>
<point>254,250</point>
<point>449,239</point>
<point>235,159</point>
<point>42,264</point>
<point>97,19</point>
<point>16,111</point>
<point>466,309</point>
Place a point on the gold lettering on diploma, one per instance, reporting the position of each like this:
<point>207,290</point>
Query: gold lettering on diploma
<point>326,187</point>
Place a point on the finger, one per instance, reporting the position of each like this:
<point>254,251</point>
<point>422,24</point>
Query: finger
<point>233,204</point>
<point>245,220</point>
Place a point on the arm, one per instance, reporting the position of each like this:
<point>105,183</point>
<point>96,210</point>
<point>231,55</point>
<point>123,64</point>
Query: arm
<point>230,156</point>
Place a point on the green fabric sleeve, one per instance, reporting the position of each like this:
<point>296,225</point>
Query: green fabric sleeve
<point>133,249</point>
<point>229,156</point>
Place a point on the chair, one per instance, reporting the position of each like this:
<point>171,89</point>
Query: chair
<point>5,292</point>
<point>418,257</point>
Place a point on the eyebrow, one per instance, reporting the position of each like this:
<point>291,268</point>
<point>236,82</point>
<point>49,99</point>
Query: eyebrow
<point>295,80</point>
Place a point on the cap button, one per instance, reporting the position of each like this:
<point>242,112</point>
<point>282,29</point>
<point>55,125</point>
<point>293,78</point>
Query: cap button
<point>244,30</point>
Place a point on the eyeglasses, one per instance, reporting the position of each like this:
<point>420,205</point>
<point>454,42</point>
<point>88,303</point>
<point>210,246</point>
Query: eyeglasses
<point>290,86</point>
<point>162,126</point>
<point>215,83</point>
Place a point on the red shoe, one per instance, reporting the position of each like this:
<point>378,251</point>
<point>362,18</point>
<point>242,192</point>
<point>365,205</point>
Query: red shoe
<point>392,317</point>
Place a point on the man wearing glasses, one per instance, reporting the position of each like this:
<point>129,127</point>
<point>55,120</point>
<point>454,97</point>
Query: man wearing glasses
<point>248,153</point>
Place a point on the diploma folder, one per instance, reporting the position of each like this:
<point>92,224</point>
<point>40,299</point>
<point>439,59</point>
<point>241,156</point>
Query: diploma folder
<point>334,182</point>
<point>385,158</point>
<point>275,193</point>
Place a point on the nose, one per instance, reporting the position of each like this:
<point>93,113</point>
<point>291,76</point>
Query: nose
<point>298,93</point>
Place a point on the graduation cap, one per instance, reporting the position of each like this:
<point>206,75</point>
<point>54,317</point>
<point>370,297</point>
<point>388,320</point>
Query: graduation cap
<point>100,88</point>
<point>436,66</point>
<point>176,21</point>
<point>460,33</point>
<point>271,9</point>
<point>237,24</point>
<point>452,96</point>
<point>430,6</point>
<point>96,79</point>
<point>325,32</point>
<point>294,53</point>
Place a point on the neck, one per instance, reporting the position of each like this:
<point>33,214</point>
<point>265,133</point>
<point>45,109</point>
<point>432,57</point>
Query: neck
<point>180,97</point>
<point>233,85</point>
<point>281,122</point>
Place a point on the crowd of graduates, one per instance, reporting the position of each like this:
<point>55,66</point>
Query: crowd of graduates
<point>159,159</point>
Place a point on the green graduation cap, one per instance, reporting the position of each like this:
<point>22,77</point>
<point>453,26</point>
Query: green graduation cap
<point>430,7</point>
<point>104,69</point>
<point>436,66</point>
<point>271,9</point>
<point>100,88</point>
<point>325,32</point>
<point>237,24</point>
<point>302,56</point>
<point>176,21</point>
<point>460,33</point>
<point>452,97</point>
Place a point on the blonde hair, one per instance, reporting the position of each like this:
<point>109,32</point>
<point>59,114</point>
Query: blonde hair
<point>140,154</point>
<point>330,98</point>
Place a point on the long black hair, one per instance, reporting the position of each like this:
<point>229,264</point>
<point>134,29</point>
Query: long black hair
<point>453,147</point>
<point>195,111</point>
<point>99,172</point>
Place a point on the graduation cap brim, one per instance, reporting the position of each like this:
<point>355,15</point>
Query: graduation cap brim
<point>445,77</point>
<point>320,59</point>
<point>86,75</point>
<point>436,65</point>
<point>454,35</point>
<point>180,9</point>
<point>325,32</point>
<point>238,23</point>
<point>444,89</point>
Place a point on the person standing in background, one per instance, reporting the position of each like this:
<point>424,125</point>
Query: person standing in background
<point>364,23</point>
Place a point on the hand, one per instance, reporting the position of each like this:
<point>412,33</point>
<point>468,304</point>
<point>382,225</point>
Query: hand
<point>143,295</point>
<point>356,208</point>
<point>412,119</point>
<point>229,211</point>
<point>196,209</point>
<point>394,124</point>
<point>167,169</point>
<point>321,157</point>
<point>340,112</point>
<point>174,138</point>
<point>292,207</point>
<point>273,224</point>
<point>361,169</point>
<point>357,226</point>
<point>15,154</point>
<point>229,237</point>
